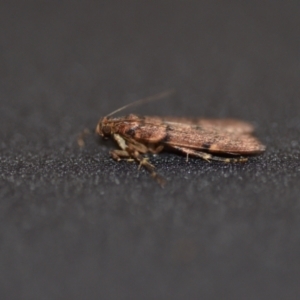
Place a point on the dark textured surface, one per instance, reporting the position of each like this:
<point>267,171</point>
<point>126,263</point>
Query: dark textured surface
<point>77,225</point>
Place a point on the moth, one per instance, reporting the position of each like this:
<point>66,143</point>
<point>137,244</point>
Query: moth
<point>223,140</point>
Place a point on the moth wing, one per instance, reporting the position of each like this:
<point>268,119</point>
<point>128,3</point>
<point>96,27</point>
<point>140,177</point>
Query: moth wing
<point>227,125</point>
<point>209,136</point>
<point>212,140</point>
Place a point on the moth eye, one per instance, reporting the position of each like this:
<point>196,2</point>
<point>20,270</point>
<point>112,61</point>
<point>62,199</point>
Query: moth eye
<point>106,130</point>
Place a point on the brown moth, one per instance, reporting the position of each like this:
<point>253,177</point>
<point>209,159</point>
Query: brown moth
<point>225,140</point>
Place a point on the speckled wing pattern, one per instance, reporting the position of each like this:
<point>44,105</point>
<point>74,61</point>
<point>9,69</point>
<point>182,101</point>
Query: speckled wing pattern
<point>223,136</point>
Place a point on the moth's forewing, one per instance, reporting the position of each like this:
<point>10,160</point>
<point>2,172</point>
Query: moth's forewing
<point>228,125</point>
<point>206,137</point>
<point>215,142</point>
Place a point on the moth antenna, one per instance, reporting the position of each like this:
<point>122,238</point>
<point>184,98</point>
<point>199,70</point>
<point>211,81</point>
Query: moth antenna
<point>144,100</point>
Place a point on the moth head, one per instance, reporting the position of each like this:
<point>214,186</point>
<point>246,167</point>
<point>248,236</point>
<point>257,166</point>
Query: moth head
<point>104,128</point>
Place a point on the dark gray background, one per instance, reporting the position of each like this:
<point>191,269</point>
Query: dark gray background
<point>77,225</point>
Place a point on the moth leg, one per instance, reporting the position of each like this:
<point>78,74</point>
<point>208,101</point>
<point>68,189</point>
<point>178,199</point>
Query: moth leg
<point>143,161</point>
<point>208,157</point>
<point>156,150</point>
<point>141,148</point>
<point>133,151</point>
<point>119,154</point>
<point>121,142</point>
<point>151,169</point>
<point>81,137</point>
